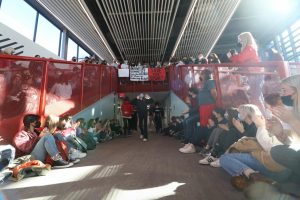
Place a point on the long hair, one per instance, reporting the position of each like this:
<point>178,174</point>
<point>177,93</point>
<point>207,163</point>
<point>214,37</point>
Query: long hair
<point>294,82</point>
<point>246,38</point>
<point>51,123</point>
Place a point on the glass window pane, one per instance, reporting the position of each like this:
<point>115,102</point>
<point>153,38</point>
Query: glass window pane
<point>82,54</point>
<point>19,16</point>
<point>72,49</point>
<point>287,45</point>
<point>297,37</point>
<point>295,25</point>
<point>297,44</point>
<point>284,34</point>
<point>43,38</point>
<point>296,32</point>
<point>286,39</point>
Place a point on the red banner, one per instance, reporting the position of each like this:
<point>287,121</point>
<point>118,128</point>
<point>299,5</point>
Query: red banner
<point>157,74</point>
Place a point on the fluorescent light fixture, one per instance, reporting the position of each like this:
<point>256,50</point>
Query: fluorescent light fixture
<point>39,1</point>
<point>96,28</point>
<point>225,24</point>
<point>184,27</point>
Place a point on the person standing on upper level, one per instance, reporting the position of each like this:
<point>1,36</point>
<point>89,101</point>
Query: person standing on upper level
<point>249,55</point>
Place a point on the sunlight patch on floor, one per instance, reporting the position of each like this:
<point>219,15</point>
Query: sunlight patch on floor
<point>40,198</point>
<point>56,176</point>
<point>107,171</point>
<point>144,194</point>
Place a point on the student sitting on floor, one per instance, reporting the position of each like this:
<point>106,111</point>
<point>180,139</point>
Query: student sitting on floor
<point>240,124</point>
<point>217,126</point>
<point>28,142</point>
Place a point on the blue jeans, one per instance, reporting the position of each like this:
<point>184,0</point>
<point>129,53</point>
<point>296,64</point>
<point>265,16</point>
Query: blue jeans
<point>236,163</point>
<point>46,145</point>
<point>67,140</point>
<point>189,126</point>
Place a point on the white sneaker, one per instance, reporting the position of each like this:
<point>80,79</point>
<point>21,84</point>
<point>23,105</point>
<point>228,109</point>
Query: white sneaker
<point>145,140</point>
<point>189,149</point>
<point>184,147</point>
<point>207,160</point>
<point>215,163</point>
<point>141,136</point>
<point>76,154</point>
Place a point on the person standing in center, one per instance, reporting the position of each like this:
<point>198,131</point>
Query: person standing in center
<point>142,110</point>
<point>127,111</point>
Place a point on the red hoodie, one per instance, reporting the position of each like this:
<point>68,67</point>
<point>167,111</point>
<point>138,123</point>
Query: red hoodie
<point>127,109</point>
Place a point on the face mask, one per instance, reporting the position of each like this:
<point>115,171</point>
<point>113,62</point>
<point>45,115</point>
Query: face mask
<point>37,124</point>
<point>287,100</point>
<point>239,45</point>
<point>268,114</point>
<point>241,117</point>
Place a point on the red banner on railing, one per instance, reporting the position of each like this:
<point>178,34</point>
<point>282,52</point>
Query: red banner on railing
<point>157,74</point>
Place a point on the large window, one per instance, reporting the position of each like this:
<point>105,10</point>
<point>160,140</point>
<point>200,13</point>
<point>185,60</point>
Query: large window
<point>72,49</point>
<point>82,54</point>
<point>43,38</point>
<point>288,42</point>
<point>24,19</point>
<point>19,16</point>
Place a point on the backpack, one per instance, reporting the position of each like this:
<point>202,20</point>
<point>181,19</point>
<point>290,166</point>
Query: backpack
<point>63,149</point>
<point>88,138</point>
<point>79,144</point>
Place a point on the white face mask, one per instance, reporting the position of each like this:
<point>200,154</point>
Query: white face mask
<point>289,107</point>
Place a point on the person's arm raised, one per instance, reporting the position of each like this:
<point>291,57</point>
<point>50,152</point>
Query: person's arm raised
<point>288,117</point>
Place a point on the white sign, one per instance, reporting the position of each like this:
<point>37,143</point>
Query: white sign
<point>139,73</point>
<point>123,72</point>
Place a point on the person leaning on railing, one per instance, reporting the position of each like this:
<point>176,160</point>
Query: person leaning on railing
<point>249,54</point>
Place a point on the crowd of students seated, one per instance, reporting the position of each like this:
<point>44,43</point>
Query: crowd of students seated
<point>255,142</point>
<point>59,142</point>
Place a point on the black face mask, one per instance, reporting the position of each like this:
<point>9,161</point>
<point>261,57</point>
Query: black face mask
<point>37,124</point>
<point>239,45</point>
<point>287,100</point>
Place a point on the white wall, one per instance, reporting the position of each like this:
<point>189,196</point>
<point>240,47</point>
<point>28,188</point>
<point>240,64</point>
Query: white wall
<point>175,105</point>
<point>104,109</point>
<point>30,48</point>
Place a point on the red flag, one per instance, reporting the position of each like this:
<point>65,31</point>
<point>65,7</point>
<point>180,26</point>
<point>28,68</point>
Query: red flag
<point>157,74</point>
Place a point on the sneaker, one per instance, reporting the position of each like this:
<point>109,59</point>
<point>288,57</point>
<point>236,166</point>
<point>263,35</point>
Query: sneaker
<point>59,164</point>
<point>189,149</point>
<point>76,154</point>
<point>74,161</point>
<point>145,140</point>
<point>141,136</point>
<point>184,147</point>
<point>215,163</point>
<point>207,160</point>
